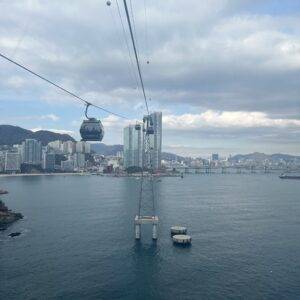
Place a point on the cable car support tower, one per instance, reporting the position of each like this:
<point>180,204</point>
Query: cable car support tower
<point>146,210</point>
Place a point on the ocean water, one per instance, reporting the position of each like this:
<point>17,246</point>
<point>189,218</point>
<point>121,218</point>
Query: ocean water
<point>78,242</point>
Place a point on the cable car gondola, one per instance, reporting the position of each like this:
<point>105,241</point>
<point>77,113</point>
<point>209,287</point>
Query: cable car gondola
<point>91,129</point>
<point>149,124</point>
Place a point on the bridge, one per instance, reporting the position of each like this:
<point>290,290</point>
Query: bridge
<point>240,169</point>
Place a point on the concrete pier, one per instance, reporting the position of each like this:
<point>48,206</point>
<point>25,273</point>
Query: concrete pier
<point>154,231</point>
<point>137,231</point>
<point>182,239</point>
<point>139,220</point>
<point>178,230</point>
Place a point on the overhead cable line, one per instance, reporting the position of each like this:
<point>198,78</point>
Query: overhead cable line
<point>60,87</point>
<point>120,42</point>
<point>136,56</point>
<point>127,45</point>
<point>134,29</point>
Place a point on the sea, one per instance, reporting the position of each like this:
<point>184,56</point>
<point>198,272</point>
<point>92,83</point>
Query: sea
<point>77,238</point>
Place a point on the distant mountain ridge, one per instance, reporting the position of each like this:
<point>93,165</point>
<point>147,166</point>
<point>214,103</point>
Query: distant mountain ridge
<point>257,156</point>
<point>11,135</point>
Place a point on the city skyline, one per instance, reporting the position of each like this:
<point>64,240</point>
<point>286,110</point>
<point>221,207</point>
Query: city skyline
<point>71,156</point>
<point>56,156</point>
<point>194,153</point>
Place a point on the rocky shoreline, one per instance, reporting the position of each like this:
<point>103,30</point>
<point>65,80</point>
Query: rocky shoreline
<point>7,217</point>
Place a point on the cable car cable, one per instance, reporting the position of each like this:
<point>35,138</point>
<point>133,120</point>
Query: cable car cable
<point>134,29</point>
<point>129,62</point>
<point>126,42</point>
<point>136,56</point>
<point>60,87</point>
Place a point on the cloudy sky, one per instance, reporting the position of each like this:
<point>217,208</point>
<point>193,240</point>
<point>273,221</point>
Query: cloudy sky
<point>225,73</point>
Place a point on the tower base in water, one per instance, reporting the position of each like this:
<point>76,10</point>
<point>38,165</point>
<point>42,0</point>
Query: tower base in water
<point>139,220</point>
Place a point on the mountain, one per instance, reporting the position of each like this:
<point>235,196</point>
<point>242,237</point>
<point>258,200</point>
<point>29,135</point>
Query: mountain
<point>252,156</point>
<point>10,135</point>
<point>286,157</point>
<point>257,156</point>
<point>170,156</point>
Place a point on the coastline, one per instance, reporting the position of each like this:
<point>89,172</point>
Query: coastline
<point>138,175</point>
<point>7,217</point>
<point>44,174</point>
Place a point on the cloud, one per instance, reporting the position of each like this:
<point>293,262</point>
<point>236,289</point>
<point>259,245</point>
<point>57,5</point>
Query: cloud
<point>61,131</point>
<point>115,121</point>
<point>214,56</point>
<point>51,117</point>
<point>15,82</point>
<point>226,119</point>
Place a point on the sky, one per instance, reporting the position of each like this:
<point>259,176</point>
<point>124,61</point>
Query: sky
<point>224,73</point>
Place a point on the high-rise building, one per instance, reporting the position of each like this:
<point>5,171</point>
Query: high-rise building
<point>48,161</point>
<point>68,147</point>
<point>65,148</point>
<point>31,152</point>
<point>79,160</point>
<point>12,162</point>
<point>79,147</point>
<point>133,146</point>
<point>156,140</point>
<point>87,148</point>
<point>83,147</point>
<point>56,145</point>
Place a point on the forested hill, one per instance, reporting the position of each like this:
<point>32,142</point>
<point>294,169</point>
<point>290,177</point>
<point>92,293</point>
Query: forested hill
<point>11,135</point>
